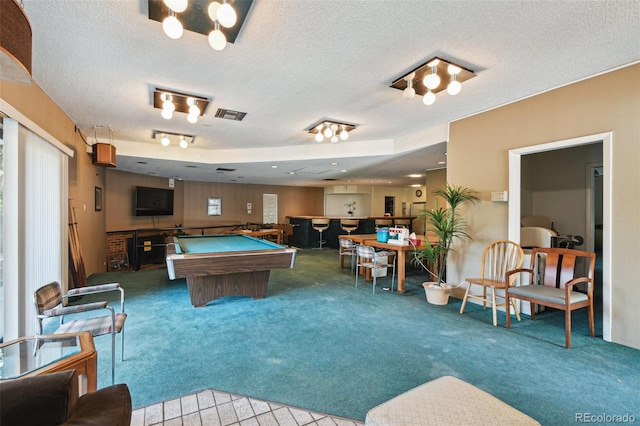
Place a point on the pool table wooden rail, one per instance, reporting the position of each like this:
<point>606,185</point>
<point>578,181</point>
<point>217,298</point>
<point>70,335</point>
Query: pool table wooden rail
<point>203,264</point>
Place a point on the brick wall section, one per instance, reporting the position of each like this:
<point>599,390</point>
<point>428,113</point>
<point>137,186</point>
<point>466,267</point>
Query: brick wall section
<point>117,244</point>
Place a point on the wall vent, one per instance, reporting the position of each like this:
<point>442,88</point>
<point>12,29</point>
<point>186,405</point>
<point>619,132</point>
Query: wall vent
<point>222,169</point>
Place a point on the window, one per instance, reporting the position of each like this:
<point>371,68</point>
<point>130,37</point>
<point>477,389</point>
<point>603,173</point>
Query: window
<point>390,205</point>
<point>34,210</point>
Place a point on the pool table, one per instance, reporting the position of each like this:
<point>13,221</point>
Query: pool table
<point>217,266</point>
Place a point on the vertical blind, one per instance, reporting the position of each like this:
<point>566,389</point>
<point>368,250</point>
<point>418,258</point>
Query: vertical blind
<point>38,211</point>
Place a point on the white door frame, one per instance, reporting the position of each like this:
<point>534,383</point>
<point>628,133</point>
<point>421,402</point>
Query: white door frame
<point>515,156</point>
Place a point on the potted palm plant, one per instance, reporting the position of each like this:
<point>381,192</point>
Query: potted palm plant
<point>445,226</point>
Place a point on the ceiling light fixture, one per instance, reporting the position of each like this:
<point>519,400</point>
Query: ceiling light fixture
<point>170,102</point>
<point>166,138</point>
<point>220,21</point>
<point>426,80</point>
<point>332,130</point>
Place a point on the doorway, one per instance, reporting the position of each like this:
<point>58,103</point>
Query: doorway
<point>515,171</point>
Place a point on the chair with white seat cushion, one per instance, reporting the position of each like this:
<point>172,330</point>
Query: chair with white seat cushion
<point>347,248</point>
<point>562,272</point>
<point>368,258</point>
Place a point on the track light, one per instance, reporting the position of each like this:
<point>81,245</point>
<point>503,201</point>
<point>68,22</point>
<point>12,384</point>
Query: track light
<point>177,6</point>
<point>217,39</point>
<point>172,27</point>
<point>226,15</point>
<point>409,92</point>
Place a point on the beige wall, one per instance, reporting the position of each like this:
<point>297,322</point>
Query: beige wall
<point>83,176</point>
<point>435,179</point>
<point>610,102</point>
<point>190,202</point>
<point>555,184</point>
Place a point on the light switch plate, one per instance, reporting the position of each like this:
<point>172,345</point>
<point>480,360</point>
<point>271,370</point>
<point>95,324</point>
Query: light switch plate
<point>500,196</point>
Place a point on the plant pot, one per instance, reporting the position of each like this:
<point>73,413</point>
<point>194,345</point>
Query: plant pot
<point>437,295</point>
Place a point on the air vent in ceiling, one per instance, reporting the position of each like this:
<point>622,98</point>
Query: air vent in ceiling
<point>222,169</point>
<point>230,115</point>
<point>329,180</point>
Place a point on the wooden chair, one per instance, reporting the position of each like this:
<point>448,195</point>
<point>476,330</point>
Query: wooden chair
<point>48,301</point>
<point>498,258</point>
<point>557,287</point>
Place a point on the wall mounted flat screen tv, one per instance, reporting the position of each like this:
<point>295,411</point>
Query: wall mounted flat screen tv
<point>152,201</point>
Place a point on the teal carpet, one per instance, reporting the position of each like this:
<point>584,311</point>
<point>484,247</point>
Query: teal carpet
<point>319,343</point>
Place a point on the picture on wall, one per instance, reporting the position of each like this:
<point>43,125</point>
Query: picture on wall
<point>98,198</point>
<point>214,206</point>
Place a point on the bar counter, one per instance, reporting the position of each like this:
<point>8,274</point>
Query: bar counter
<point>304,236</point>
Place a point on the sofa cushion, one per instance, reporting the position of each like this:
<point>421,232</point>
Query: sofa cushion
<point>547,294</point>
<point>446,401</point>
<point>108,406</point>
<point>43,400</point>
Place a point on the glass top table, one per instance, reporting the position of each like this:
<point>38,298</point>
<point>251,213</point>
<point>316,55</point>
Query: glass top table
<point>36,355</point>
<point>26,355</point>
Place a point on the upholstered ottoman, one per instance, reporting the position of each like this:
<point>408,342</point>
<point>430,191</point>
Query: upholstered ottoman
<point>445,401</point>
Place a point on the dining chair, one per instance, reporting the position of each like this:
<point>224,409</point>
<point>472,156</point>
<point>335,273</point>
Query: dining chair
<point>498,258</point>
<point>555,275</point>
<point>368,258</point>
<point>48,301</point>
<point>347,248</point>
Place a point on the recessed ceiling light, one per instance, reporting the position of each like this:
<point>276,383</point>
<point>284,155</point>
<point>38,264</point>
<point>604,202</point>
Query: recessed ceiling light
<point>292,173</point>
<point>416,185</point>
<point>415,176</point>
<point>274,167</point>
<point>442,162</point>
<point>334,163</point>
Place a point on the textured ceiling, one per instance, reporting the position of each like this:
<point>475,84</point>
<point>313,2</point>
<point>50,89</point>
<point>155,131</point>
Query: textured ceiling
<point>297,62</point>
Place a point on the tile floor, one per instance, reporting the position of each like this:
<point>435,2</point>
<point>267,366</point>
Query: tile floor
<point>216,408</point>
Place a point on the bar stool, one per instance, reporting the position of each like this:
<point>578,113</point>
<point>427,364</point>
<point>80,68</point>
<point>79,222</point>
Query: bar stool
<point>320,224</point>
<point>383,222</point>
<point>349,225</point>
<point>402,223</point>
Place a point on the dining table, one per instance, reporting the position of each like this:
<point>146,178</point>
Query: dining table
<point>401,250</point>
